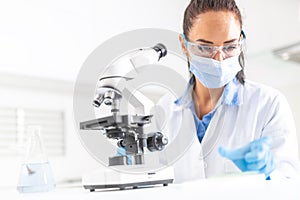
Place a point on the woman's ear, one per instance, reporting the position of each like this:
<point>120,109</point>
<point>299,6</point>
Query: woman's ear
<point>183,47</point>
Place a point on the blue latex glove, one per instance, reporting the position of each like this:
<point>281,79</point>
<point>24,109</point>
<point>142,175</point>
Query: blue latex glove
<point>121,151</point>
<point>256,156</point>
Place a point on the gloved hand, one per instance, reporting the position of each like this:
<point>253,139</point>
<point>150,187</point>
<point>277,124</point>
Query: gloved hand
<point>256,156</point>
<point>121,151</point>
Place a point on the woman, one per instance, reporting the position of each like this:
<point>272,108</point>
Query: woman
<point>240,125</point>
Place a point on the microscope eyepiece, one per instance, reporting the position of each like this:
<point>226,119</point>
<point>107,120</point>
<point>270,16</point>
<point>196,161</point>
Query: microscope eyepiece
<point>98,100</point>
<point>96,103</point>
<point>161,49</point>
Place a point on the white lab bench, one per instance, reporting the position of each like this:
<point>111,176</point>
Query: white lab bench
<point>245,187</point>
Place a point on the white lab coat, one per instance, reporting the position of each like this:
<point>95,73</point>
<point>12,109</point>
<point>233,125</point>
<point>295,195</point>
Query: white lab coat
<point>263,111</point>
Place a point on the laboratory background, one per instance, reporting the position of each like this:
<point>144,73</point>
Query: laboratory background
<point>43,45</point>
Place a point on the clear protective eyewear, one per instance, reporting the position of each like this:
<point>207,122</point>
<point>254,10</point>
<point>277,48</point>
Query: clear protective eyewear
<point>209,51</point>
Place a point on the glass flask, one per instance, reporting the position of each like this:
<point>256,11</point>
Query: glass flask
<point>35,174</point>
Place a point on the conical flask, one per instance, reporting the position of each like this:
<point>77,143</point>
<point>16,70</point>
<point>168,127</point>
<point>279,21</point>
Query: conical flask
<point>35,174</point>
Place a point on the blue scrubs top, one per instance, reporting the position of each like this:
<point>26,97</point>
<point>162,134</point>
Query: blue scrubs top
<point>229,97</point>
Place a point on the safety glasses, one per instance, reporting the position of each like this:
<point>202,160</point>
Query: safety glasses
<point>209,51</point>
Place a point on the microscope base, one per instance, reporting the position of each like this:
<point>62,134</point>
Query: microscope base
<point>108,178</point>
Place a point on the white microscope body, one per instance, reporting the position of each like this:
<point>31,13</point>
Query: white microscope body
<point>126,129</point>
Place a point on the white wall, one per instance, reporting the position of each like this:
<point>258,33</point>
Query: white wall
<point>270,24</point>
<point>28,92</point>
<point>53,38</point>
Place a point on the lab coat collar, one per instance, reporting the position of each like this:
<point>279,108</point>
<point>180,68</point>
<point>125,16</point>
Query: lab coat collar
<point>186,99</point>
<point>233,93</point>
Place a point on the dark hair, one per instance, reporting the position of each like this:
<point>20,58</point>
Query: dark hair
<point>197,7</point>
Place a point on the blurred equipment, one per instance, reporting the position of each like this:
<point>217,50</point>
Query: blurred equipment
<point>289,53</point>
<point>127,129</point>
<point>35,174</point>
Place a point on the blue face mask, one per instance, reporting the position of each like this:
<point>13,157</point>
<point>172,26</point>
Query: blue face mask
<point>213,73</point>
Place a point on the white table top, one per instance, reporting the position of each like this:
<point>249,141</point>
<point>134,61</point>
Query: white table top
<point>246,187</point>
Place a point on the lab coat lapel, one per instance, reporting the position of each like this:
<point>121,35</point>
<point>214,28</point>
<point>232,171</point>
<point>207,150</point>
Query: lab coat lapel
<point>214,131</point>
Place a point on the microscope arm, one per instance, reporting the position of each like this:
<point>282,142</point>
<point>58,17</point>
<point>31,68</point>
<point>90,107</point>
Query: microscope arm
<point>108,88</point>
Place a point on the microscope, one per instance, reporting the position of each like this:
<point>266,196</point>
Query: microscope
<point>127,129</point>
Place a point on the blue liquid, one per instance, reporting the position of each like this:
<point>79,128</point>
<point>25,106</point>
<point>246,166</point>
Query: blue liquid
<point>36,177</point>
